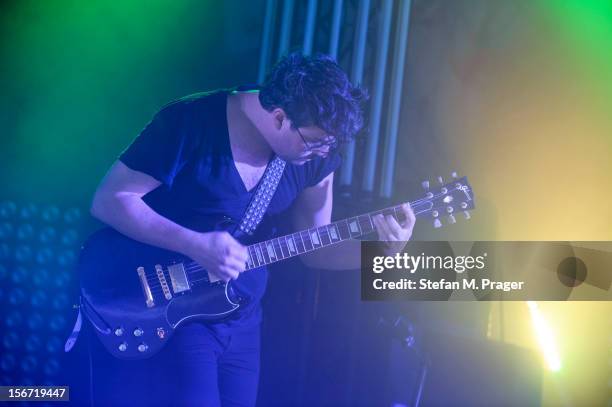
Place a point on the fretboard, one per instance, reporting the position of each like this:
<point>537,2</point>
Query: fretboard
<point>308,240</point>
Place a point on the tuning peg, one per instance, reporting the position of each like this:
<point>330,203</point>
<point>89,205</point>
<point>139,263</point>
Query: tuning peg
<point>437,224</point>
<point>441,180</point>
<point>425,185</point>
<point>451,219</point>
<point>466,214</point>
<point>454,174</point>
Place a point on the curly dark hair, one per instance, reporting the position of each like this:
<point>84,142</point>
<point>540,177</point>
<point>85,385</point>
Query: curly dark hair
<point>315,91</point>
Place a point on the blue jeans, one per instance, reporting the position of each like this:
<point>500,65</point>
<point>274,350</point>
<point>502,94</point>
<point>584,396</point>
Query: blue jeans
<point>199,366</point>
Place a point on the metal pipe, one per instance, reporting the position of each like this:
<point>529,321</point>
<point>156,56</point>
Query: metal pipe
<point>266,40</point>
<point>311,18</point>
<point>361,32</point>
<point>285,33</point>
<point>397,76</point>
<point>334,35</point>
<point>384,28</point>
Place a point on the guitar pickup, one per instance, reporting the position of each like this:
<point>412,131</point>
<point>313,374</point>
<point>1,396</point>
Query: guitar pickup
<point>178,278</point>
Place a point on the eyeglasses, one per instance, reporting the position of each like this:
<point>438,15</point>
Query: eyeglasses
<point>332,142</point>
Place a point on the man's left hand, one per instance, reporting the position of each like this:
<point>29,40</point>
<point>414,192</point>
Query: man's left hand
<point>393,234</point>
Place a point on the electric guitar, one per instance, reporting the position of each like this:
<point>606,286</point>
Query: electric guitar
<point>136,295</point>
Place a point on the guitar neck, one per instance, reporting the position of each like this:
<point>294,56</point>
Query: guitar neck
<point>308,240</point>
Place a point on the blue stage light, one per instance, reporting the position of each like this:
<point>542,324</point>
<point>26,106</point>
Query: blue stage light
<point>50,213</point>
<point>5,251</point>
<point>57,322</point>
<point>6,230</point>
<point>72,215</point>
<point>60,301</point>
<point>41,277</point>
<point>13,319</point>
<point>29,211</point>
<point>3,272</point>
<point>7,209</point>
<point>66,258</point>
<point>39,299</point>
<point>47,235</point>
<point>52,367</point>
<point>54,345</point>
<point>33,343</point>
<point>70,237</point>
<point>35,321</point>
<point>23,253</point>
<point>16,296</point>
<point>25,231</point>
<point>19,275</point>
<point>44,256</point>
<point>7,362</point>
<point>29,364</point>
<point>11,340</point>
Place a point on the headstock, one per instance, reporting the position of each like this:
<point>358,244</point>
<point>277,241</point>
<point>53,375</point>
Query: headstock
<point>445,200</point>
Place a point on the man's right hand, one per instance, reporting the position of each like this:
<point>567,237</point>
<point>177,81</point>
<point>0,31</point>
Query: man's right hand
<point>219,253</point>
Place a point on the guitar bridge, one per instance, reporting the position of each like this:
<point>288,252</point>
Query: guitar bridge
<point>145,287</point>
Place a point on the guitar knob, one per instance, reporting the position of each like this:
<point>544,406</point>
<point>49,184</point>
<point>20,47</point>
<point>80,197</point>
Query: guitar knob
<point>437,224</point>
<point>119,331</point>
<point>122,347</point>
<point>425,185</point>
<point>138,332</point>
<point>454,174</point>
<point>466,214</point>
<point>142,347</point>
<point>441,180</point>
<point>451,219</point>
<point>464,205</point>
<point>434,213</point>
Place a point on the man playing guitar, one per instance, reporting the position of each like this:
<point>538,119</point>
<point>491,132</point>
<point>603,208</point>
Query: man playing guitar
<point>201,157</point>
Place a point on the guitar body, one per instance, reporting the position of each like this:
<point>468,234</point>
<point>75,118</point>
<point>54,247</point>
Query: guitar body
<point>124,298</point>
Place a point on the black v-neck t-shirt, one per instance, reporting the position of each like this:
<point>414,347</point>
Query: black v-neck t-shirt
<point>186,147</point>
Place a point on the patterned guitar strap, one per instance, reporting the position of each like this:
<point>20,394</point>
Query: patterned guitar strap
<point>265,191</point>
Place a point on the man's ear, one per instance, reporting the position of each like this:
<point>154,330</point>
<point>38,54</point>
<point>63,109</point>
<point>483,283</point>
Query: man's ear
<point>279,117</point>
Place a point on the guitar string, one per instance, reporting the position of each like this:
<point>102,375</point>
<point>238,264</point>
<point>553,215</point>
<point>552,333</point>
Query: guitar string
<point>194,267</point>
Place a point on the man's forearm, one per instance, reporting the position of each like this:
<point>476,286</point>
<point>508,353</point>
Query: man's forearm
<point>131,216</point>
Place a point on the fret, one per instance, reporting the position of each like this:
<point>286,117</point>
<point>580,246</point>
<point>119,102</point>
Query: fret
<point>333,232</point>
<point>280,245</point>
<point>299,242</point>
<point>260,257</point>
<point>277,243</point>
<point>264,253</point>
<point>250,263</point>
<point>307,243</point>
<point>291,245</point>
<point>314,237</point>
<point>343,230</point>
<point>271,252</point>
<point>325,239</point>
<point>354,227</point>
<point>365,228</point>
